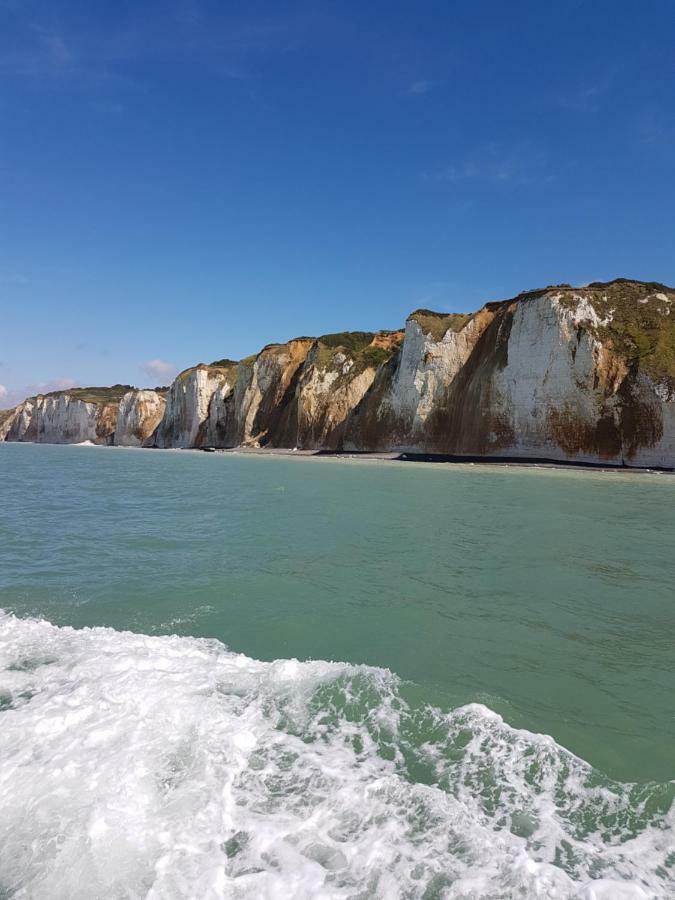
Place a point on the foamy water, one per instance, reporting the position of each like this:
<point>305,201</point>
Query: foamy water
<point>170,767</point>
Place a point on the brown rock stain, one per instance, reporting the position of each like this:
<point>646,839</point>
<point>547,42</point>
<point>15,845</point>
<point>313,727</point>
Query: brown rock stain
<point>467,422</point>
<point>106,422</point>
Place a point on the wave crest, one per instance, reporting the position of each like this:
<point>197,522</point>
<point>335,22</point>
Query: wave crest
<point>166,767</point>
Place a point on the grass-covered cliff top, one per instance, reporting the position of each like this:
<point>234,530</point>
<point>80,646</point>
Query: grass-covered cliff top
<point>100,395</point>
<point>438,324</point>
<point>368,349</point>
<point>617,287</point>
<point>637,320</point>
<point>290,346</point>
<point>351,341</point>
<point>221,366</point>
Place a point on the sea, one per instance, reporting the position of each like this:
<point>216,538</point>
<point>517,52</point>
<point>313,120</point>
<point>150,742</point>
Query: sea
<point>238,676</point>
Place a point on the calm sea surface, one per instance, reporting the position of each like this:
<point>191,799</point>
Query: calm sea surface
<point>443,618</point>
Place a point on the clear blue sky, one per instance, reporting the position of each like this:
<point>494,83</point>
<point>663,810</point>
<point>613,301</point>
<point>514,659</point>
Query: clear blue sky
<point>190,179</point>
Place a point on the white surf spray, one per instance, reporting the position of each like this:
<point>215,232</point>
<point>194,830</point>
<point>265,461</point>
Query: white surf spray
<point>169,767</point>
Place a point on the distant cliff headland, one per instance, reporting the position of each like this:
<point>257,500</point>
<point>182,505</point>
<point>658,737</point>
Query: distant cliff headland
<point>566,374</point>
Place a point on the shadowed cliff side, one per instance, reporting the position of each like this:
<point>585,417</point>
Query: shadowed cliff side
<point>339,372</point>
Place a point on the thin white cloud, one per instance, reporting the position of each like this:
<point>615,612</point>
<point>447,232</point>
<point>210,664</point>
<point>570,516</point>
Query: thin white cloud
<point>217,40</point>
<point>495,170</point>
<point>587,97</point>
<point>520,165</point>
<point>13,278</point>
<point>656,127</point>
<point>419,87</point>
<point>3,392</point>
<point>159,369</point>
<point>56,47</point>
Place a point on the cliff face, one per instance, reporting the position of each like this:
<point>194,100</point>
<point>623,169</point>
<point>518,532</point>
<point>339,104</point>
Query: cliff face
<point>266,409</point>
<point>138,415</point>
<point>585,374</point>
<point>109,415</point>
<point>297,394</point>
<point>62,419</point>
<point>394,414</point>
<point>187,405</point>
<point>339,371</point>
<point>590,375</point>
<point>220,425</point>
<point>7,417</point>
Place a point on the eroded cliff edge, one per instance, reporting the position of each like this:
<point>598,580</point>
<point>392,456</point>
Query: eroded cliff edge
<point>569,374</point>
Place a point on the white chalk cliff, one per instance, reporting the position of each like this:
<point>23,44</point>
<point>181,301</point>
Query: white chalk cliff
<point>187,406</point>
<point>138,415</point>
<point>568,374</point>
<point>61,419</point>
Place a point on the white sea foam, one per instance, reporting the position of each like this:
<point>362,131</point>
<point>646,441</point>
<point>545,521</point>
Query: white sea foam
<point>168,767</point>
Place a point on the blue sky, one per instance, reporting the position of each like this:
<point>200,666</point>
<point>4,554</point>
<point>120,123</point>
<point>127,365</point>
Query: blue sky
<point>186,180</point>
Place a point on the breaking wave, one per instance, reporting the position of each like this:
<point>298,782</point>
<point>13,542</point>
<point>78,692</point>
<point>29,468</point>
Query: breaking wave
<point>169,767</point>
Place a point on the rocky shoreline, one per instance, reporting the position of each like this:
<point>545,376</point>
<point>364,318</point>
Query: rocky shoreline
<point>439,459</point>
<point>505,462</point>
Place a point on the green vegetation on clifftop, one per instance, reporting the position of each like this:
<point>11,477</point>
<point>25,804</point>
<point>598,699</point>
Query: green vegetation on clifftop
<point>366,349</point>
<point>99,395</point>
<point>638,322</point>
<point>351,341</point>
<point>223,364</point>
<point>438,324</point>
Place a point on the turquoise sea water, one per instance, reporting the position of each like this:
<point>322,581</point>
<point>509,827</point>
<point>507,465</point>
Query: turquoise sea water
<point>543,596</point>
